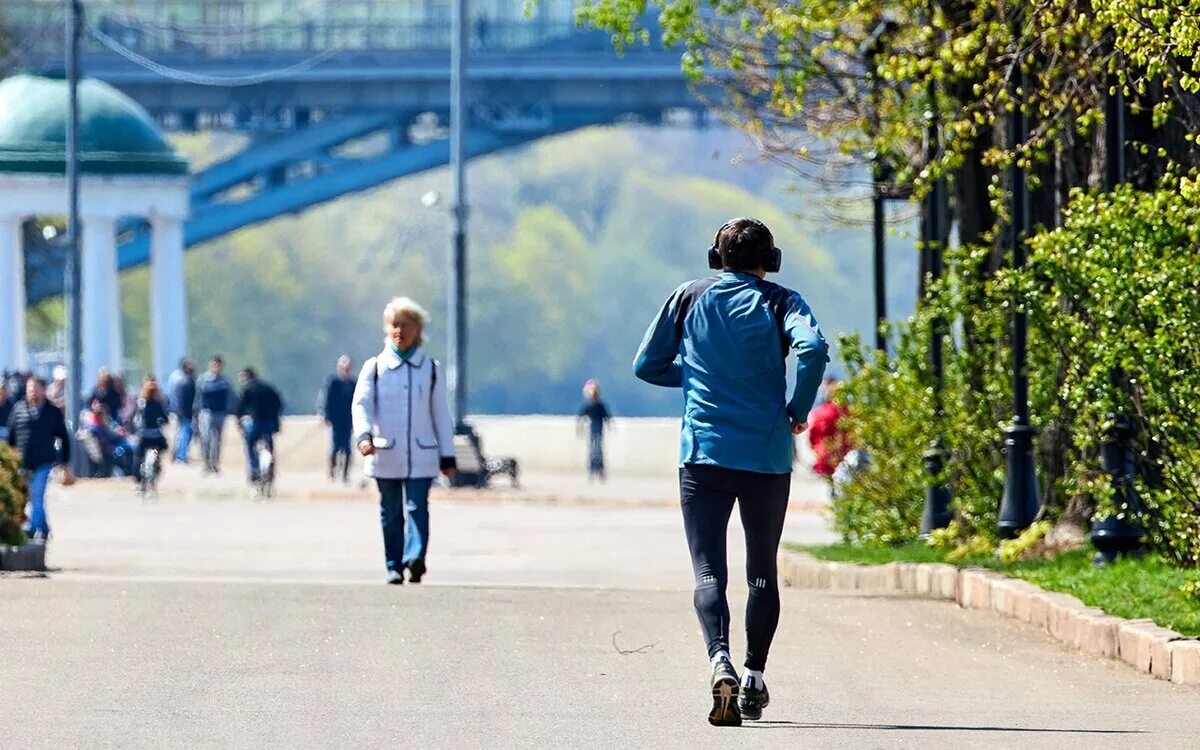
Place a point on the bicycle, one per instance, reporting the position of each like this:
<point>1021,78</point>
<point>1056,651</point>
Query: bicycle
<point>148,473</point>
<point>264,484</point>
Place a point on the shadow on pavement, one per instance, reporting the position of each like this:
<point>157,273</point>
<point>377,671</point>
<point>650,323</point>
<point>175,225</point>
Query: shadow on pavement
<point>929,728</point>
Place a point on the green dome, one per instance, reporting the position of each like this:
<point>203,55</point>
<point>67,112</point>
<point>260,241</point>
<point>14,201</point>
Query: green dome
<point>116,136</point>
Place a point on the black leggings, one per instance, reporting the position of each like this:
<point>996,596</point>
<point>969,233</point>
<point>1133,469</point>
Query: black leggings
<point>707,494</point>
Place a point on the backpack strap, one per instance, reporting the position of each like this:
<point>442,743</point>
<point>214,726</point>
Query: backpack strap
<point>375,386</point>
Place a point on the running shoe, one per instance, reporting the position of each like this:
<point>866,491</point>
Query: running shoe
<point>416,570</point>
<point>752,701</point>
<point>725,711</point>
<point>395,577</point>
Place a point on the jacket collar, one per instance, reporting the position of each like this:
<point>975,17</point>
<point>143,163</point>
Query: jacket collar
<point>392,360</point>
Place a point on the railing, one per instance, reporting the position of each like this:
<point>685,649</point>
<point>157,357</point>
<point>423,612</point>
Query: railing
<point>39,32</point>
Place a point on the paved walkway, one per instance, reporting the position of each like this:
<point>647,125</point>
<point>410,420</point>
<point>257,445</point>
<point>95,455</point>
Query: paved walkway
<point>201,622</point>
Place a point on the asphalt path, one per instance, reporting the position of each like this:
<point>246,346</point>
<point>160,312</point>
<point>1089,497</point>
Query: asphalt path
<point>229,623</point>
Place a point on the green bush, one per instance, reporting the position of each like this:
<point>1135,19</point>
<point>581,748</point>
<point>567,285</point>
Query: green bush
<point>889,412</point>
<point>13,493</point>
<point>1119,291</point>
<point>1116,289</point>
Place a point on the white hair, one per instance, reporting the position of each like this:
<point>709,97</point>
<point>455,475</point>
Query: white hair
<point>405,306</point>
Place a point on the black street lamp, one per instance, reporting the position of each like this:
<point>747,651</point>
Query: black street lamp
<point>457,329</point>
<point>1021,502</point>
<point>1121,533</point>
<point>937,513</point>
<point>881,177</point>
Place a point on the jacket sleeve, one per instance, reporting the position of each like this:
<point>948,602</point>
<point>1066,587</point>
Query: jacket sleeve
<point>60,431</point>
<point>323,400</point>
<point>198,394</point>
<point>11,426</point>
<point>362,406</point>
<point>443,422</point>
<point>656,360</point>
<point>812,354</point>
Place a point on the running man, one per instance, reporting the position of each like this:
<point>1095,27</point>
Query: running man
<point>724,340</point>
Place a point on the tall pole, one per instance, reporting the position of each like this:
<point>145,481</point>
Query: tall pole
<point>1021,502</point>
<point>1119,533</point>
<point>880,247</point>
<point>458,250</point>
<point>879,176</point>
<point>937,513</point>
<point>73,287</point>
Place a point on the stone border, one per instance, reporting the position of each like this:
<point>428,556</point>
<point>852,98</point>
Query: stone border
<point>1141,644</point>
<point>23,557</point>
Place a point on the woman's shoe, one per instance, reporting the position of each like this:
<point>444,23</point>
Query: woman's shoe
<point>416,570</point>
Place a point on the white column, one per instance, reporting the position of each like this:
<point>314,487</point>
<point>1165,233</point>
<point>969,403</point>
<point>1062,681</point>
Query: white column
<point>101,298</point>
<point>12,294</point>
<point>168,295</point>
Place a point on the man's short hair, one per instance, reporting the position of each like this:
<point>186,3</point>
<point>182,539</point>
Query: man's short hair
<point>38,379</point>
<point>249,372</point>
<point>744,244</point>
<point>217,359</point>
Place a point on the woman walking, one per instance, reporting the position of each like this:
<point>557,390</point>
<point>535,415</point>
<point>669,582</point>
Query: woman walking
<point>401,420</point>
<point>595,412</point>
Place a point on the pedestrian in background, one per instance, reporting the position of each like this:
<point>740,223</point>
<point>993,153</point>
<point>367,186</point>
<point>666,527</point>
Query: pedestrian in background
<point>214,399</point>
<point>106,393</point>
<point>181,387</point>
<point>402,424</point>
<point>149,421</point>
<point>37,429</point>
<point>826,432</point>
<point>56,392</point>
<point>594,416</point>
<point>260,414</point>
<point>6,408</point>
<point>335,407</point>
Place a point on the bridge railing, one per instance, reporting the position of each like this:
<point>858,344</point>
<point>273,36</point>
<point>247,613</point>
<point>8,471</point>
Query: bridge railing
<point>39,34</point>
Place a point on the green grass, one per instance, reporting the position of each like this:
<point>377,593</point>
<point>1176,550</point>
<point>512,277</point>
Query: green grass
<point>1145,587</point>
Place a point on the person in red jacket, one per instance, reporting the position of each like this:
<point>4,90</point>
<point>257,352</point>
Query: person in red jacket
<point>826,433</point>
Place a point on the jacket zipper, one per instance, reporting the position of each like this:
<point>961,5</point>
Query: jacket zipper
<point>408,437</point>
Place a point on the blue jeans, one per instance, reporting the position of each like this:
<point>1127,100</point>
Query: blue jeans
<point>38,479</point>
<point>405,519</point>
<point>211,425</point>
<point>183,440</point>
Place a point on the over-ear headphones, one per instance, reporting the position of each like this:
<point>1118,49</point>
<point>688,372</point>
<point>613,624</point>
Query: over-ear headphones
<point>771,262</point>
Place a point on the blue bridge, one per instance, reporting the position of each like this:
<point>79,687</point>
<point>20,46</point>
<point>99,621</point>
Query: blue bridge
<point>340,96</point>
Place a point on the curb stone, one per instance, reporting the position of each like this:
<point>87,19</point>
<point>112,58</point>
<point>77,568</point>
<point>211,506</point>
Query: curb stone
<point>1141,644</point>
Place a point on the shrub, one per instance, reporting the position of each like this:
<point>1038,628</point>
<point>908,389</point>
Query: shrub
<point>1114,328</point>
<point>13,493</point>
<point>889,412</point>
<point>1119,294</point>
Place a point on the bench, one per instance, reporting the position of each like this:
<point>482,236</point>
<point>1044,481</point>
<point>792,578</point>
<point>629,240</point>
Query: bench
<point>474,470</point>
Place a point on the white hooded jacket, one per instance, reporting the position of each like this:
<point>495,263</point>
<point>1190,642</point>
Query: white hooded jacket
<point>402,401</point>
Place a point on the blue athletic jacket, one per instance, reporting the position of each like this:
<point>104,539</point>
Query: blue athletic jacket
<point>724,341</point>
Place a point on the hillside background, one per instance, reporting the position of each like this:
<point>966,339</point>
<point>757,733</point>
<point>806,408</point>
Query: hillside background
<point>575,242</point>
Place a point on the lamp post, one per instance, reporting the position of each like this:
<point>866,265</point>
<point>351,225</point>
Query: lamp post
<point>880,177</point>
<point>72,285</point>
<point>458,248</point>
<point>937,513</point>
<point>1021,502</point>
<point>1119,533</point>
